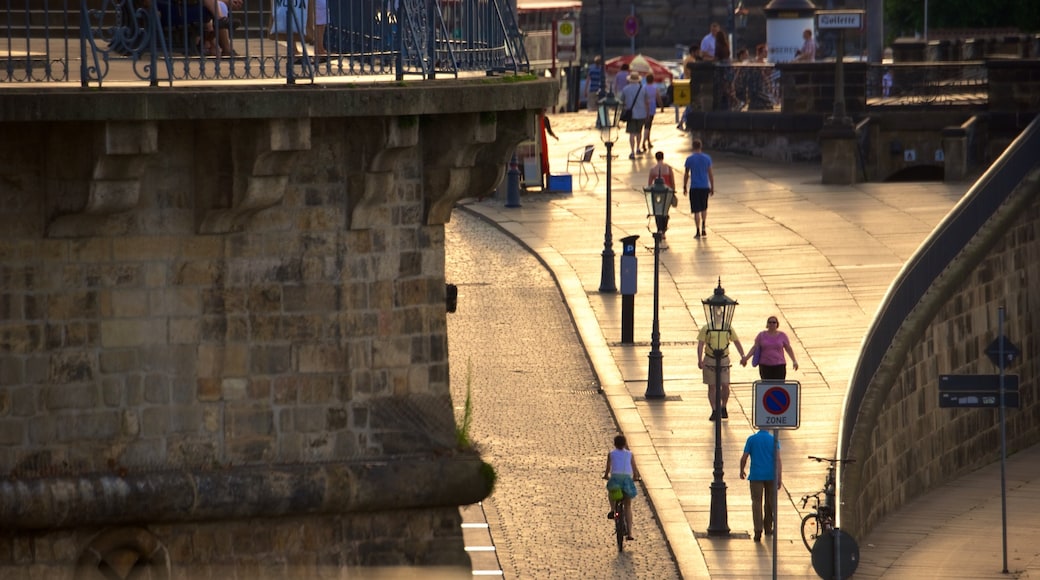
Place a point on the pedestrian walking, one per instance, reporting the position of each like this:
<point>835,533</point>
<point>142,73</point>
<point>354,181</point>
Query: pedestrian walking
<point>665,173</point>
<point>653,95</point>
<point>593,85</point>
<point>635,99</point>
<point>768,352</point>
<point>621,80</point>
<point>716,369</point>
<point>701,181</point>
<point>621,474</point>
<point>764,479</point>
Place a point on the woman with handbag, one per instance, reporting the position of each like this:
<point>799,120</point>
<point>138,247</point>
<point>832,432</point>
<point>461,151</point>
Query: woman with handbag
<point>768,352</point>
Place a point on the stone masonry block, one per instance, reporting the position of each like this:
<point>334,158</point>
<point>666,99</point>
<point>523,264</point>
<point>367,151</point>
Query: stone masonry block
<point>13,432</point>
<point>309,419</point>
<point>202,273</point>
<point>391,353</point>
<point>248,422</point>
<point>312,297</point>
<point>234,388</point>
<point>93,426</point>
<point>136,332</point>
<point>155,422</point>
<point>176,301</point>
<point>124,303</point>
<point>73,304</point>
<point>69,396</point>
<point>321,359</point>
<point>145,248</point>
<point>184,331</point>
<point>270,360</point>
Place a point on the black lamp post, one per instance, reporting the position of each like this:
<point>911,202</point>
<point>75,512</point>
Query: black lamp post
<point>607,120</point>
<point>658,201</point>
<point>718,311</point>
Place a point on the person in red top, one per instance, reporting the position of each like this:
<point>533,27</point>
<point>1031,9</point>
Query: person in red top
<point>770,345</point>
<point>664,171</point>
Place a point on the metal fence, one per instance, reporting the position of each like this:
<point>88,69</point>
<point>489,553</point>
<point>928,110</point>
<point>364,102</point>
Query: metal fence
<point>163,41</point>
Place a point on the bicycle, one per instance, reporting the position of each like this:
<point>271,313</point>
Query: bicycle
<point>820,520</point>
<point>617,498</point>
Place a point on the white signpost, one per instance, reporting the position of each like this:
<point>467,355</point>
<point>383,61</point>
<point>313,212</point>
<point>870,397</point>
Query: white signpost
<point>777,406</point>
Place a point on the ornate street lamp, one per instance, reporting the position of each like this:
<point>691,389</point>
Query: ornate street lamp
<point>718,311</point>
<point>658,201</point>
<point>607,119</point>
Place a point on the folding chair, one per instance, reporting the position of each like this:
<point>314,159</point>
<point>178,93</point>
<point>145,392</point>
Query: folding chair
<point>582,157</point>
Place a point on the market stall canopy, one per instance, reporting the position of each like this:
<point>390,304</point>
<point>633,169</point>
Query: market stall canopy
<point>641,64</point>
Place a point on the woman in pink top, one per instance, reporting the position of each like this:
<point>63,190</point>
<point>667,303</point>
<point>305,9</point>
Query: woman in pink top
<point>770,345</point>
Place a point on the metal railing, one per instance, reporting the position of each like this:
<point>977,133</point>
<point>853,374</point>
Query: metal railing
<point>163,41</point>
<point>740,87</point>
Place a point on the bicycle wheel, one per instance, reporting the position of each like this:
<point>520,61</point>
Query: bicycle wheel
<point>810,530</point>
<point>620,526</point>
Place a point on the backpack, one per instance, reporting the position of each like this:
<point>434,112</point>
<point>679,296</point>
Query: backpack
<point>669,95</point>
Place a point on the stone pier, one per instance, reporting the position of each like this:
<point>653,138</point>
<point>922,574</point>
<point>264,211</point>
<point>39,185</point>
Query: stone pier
<point>223,324</point>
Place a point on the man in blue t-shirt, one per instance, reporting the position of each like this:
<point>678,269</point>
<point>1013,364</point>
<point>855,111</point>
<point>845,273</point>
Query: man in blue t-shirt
<point>701,181</point>
<point>766,468</point>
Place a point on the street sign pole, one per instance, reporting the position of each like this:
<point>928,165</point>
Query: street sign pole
<point>1003,439</point>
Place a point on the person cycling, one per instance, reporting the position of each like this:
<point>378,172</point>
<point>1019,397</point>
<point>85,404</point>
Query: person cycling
<point>621,474</point>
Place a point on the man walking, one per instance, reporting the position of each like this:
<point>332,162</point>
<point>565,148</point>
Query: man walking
<point>716,369</point>
<point>701,181</point>
<point>764,479</point>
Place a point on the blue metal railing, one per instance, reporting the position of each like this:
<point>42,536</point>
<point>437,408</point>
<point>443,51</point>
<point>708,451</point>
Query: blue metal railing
<point>165,41</point>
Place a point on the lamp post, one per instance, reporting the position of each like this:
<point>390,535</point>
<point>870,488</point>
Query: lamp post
<point>658,202</point>
<point>607,120</point>
<point>718,311</point>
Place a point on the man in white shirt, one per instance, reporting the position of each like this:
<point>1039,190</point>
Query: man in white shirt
<point>708,42</point>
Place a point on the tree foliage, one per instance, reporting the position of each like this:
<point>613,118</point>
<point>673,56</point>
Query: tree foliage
<point>906,17</point>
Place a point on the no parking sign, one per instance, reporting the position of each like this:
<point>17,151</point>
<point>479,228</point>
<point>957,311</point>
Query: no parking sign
<point>777,404</point>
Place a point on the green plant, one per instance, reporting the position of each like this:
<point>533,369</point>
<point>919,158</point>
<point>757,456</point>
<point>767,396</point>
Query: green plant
<point>462,428</point>
<point>489,476</point>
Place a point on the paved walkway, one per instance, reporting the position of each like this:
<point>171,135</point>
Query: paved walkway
<point>820,258</point>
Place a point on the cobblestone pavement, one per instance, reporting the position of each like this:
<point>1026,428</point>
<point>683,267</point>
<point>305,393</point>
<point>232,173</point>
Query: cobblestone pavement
<point>538,417</point>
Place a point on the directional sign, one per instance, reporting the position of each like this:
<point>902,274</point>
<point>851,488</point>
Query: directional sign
<point>977,399</point>
<point>776,404</point>
<point>977,391</point>
<point>839,19</point>
<point>1010,351</point>
<point>984,383</point>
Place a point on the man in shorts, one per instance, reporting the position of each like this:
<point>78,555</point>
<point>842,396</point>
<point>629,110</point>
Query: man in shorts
<point>708,342</point>
<point>701,181</point>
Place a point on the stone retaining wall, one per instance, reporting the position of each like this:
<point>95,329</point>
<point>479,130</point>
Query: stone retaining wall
<point>914,445</point>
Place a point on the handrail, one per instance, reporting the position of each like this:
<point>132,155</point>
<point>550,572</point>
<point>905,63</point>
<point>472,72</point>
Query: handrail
<point>180,40</point>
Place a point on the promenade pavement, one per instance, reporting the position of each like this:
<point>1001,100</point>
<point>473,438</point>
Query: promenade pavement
<point>820,258</point>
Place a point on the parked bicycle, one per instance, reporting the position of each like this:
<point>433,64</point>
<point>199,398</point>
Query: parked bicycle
<point>820,520</point>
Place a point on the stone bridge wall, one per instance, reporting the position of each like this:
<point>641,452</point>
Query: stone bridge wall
<point>914,445</point>
<point>223,324</point>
